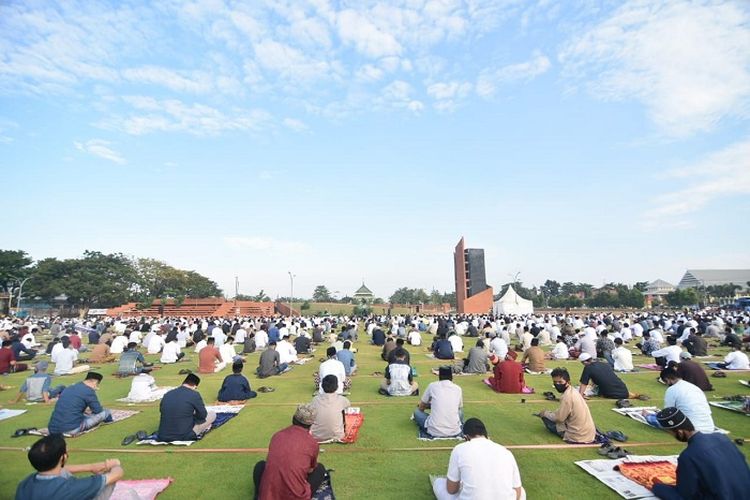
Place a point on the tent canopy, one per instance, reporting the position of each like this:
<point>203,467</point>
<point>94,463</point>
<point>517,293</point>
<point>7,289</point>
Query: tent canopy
<point>512,303</point>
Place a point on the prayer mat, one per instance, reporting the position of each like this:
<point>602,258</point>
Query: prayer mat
<point>353,421</point>
<point>155,396</point>
<point>424,436</point>
<point>324,492</point>
<point>144,489</point>
<point>224,413</point>
<point>10,413</point>
<point>634,412</point>
<point>717,366</point>
<point>607,472</point>
<point>436,371</point>
<point>736,406</point>
<point>745,383</point>
<point>649,473</point>
<point>651,366</point>
<point>117,415</point>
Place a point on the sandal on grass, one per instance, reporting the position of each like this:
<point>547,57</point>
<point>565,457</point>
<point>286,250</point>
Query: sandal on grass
<point>618,453</point>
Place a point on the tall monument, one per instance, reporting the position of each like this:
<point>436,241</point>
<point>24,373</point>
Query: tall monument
<point>473,296</point>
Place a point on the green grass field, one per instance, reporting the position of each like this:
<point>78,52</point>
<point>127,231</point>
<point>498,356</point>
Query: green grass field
<point>388,461</point>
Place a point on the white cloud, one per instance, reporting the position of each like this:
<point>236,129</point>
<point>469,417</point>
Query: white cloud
<point>446,94</point>
<point>100,148</point>
<point>291,63</point>
<point>489,80</point>
<point>721,174</point>
<point>172,115</point>
<point>197,82</point>
<point>266,244</point>
<point>294,124</point>
<point>356,29</point>
<point>688,62</point>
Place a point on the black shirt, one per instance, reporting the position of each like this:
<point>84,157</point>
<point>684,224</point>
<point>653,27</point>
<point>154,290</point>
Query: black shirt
<point>181,409</point>
<point>601,374</point>
<point>378,336</point>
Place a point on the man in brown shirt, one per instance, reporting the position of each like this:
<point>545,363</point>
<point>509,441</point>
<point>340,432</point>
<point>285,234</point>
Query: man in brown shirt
<point>535,357</point>
<point>572,421</point>
<point>329,411</point>
<point>693,372</point>
<point>101,354</point>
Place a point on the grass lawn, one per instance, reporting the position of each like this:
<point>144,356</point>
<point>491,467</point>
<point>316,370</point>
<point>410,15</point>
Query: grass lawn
<point>386,462</point>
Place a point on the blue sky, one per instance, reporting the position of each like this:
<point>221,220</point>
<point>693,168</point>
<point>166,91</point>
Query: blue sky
<point>584,141</point>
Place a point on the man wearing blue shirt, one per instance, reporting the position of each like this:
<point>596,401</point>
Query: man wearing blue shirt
<point>54,477</point>
<point>38,387</point>
<point>69,416</point>
<point>346,356</point>
<point>710,467</point>
<point>273,333</point>
<point>235,388</point>
<point>183,414</point>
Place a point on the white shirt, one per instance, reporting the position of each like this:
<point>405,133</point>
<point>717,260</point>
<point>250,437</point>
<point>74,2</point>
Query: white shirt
<point>486,470</point>
<point>499,347</point>
<point>135,336</point>
<point>141,387</point>
<point>219,337</point>
<point>261,339</point>
<point>737,360</point>
<point>287,352</point>
<point>239,336</point>
<point>56,350</point>
<point>228,353</point>
<point>670,353</point>
<point>415,338</point>
<point>200,345</point>
<point>118,344</point>
<point>64,361</point>
<point>170,352</point>
<point>155,344</point>
<point>691,401</point>
<point>332,367</point>
<point>560,351</point>
<point>456,343</point>
<point>623,359</point>
<point>445,399</point>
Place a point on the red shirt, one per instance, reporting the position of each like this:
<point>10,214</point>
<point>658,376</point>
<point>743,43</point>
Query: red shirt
<point>508,377</point>
<point>206,359</point>
<point>6,356</point>
<point>292,455</point>
<point>75,342</point>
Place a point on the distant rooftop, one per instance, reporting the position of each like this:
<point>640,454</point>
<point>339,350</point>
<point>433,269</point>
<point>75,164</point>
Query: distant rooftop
<point>708,277</point>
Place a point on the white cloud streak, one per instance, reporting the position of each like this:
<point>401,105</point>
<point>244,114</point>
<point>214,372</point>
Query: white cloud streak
<point>100,148</point>
<point>688,62</point>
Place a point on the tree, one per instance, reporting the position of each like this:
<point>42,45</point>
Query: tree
<point>436,297</point>
<point>551,288</point>
<point>48,278</point>
<point>262,296</point>
<point>15,265</point>
<point>321,294</point>
<point>641,286</point>
<point>409,296</point>
<point>157,279</point>
<point>684,297</point>
<point>568,288</point>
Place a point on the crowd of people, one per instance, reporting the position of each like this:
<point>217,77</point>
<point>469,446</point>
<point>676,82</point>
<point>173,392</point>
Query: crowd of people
<point>506,349</point>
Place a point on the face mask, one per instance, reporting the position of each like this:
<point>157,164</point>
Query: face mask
<point>560,387</point>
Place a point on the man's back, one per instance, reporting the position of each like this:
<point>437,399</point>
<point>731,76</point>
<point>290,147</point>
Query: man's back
<point>36,487</point>
<point>180,408</point>
<point>129,362</point>
<point>486,470</point>
<point>207,358</point>
<point>347,359</point>
<point>68,412</point>
<point>333,367</point>
<point>477,361</point>
<point>268,362</point>
<point>691,401</point>
<point>445,399</point>
<point>601,374</point>
<point>692,372</point>
<point>292,454</point>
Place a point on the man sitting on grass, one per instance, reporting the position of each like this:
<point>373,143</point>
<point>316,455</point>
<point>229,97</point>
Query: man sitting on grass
<point>269,364</point>
<point>291,470</point>
<point>54,477</point>
<point>132,362</point>
<point>444,399</point>
<point>508,376</point>
<point>399,380</point>
<point>332,366</point>
<point>329,409</point>
<point>572,421</point>
<point>622,357</point>
<point>710,467</point>
<point>535,357</point>
<point>37,388</point>
<point>236,388</point>
<point>479,468</point>
<point>476,360</point>
<point>209,359</point>
<point>693,372</point>
<point>599,379</point>
<point>70,415</point>
<point>183,414</point>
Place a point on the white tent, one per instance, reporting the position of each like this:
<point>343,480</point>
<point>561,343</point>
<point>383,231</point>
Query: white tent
<point>512,303</point>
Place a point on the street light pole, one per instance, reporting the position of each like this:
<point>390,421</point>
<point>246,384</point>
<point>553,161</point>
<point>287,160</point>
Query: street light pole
<point>291,297</point>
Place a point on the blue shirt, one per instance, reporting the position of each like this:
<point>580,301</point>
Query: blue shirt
<point>444,349</point>
<point>47,380</point>
<point>181,409</point>
<point>710,467</point>
<point>40,487</point>
<point>347,358</point>
<point>273,334</point>
<point>68,413</point>
<point>235,388</point>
